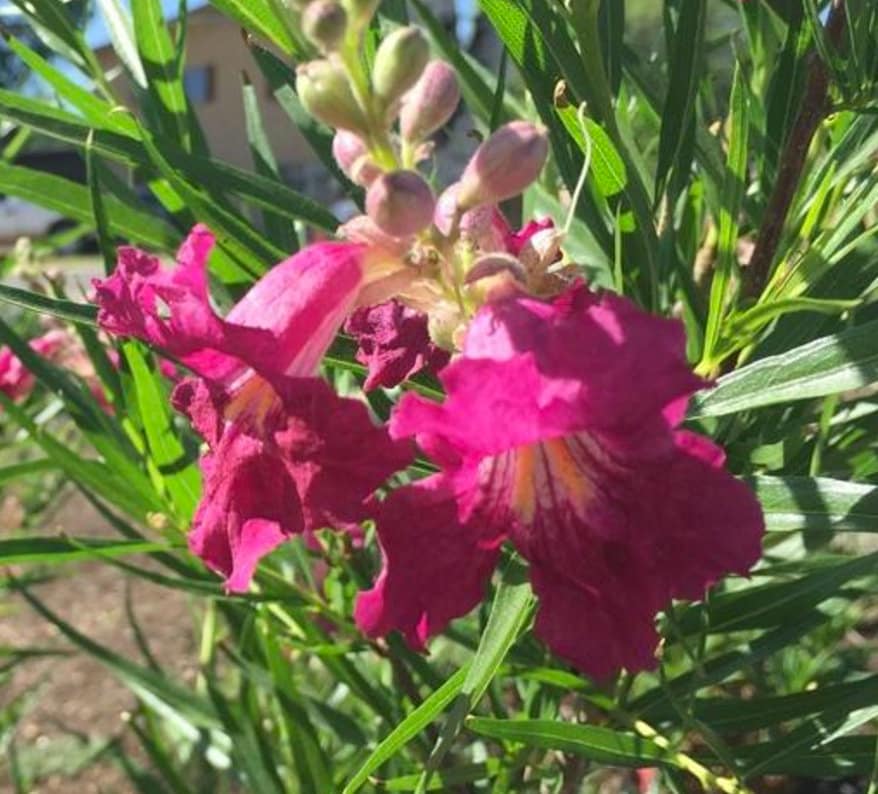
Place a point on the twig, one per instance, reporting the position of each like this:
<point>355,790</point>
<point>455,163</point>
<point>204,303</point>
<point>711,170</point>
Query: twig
<point>816,107</point>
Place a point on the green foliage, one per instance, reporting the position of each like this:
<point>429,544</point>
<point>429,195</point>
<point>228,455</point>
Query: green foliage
<point>697,153</point>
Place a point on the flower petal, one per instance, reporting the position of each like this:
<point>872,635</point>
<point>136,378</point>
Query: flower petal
<point>393,343</point>
<point>283,325</point>
<point>284,459</point>
<point>435,568</point>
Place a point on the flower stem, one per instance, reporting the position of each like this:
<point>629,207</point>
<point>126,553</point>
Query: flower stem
<point>815,107</point>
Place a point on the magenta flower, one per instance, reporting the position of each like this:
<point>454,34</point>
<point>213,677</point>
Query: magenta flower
<point>559,433</point>
<point>286,454</point>
<point>17,382</point>
<point>394,343</point>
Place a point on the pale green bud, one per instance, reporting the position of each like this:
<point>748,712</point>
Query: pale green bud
<point>325,92</point>
<point>325,23</point>
<point>400,59</point>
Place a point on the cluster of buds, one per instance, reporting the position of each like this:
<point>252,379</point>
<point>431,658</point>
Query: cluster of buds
<point>456,246</point>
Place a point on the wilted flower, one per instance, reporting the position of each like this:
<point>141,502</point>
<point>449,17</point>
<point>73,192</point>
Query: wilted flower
<point>559,434</point>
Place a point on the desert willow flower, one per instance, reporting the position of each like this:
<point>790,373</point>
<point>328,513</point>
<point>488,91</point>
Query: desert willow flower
<point>559,432</point>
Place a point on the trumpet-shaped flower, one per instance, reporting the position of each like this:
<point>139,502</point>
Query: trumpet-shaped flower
<point>560,433</point>
<point>285,454</point>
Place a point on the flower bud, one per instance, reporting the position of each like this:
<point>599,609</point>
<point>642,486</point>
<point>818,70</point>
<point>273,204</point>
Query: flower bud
<point>504,165</point>
<point>401,203</point>
<point>325,92</point>
<point>324,22</point>
<point>400,59</point>
<point>484,227</point>
<point>430,103</point>
<point>347,148</point>
<point>360,12</point>
<point>350,152</point>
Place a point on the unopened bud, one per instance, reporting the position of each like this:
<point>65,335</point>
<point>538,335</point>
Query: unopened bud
<point>350,152</point>
<point>325,92</point>
<point>347,148</point>
<point>324,22</point>
<point>504,165</point>
<point>484,227</point>
<point>430,103</point>
<point>401,203</point>
<point>360,12</point>
<point>400,59</point>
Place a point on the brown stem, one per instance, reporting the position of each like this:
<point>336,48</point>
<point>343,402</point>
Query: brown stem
<point>815,108</point>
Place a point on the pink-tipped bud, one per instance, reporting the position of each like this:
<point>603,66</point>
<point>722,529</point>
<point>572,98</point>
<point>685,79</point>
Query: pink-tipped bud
<point>504,165</point>
<point>352,156</point>
<point>325,22</point>
<point>325,92</point>
<point>484,227</point>
<point>401,203</point>
<point>430,103</point>
<point>399,62</point>
<point>347,148</point>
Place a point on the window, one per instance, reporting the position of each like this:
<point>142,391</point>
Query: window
<point>198,84</point>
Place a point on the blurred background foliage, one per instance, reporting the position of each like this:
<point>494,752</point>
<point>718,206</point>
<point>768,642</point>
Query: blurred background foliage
<point>733,184</point>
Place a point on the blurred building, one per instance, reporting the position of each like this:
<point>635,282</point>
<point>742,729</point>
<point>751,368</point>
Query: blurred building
<point>216,60</point>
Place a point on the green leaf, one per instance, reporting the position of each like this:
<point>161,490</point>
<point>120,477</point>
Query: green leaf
<point>833,364</point>
<point>685,75</point>
<point>211,174</point>
<point>607,167</point>
<point>605,746</point>
<point>773,604</point>
<point>410,727</point>
<point>260,18</point>
<point>74,201</point>
<point>53,550</point>
<point>173,463</point>
<point>121,30</point>
<point>510,612</point>
<point>164,83</point>
<point>80,313</point>
<point>16,470</point>
<point>803,503</point>
<point>731,199</point>
<point>279,230</point>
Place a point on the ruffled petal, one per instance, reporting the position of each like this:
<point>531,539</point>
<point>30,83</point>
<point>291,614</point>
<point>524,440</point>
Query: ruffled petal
<point>627,365</point>
<point>599,626</point>
<point>339,457</point>
<point>249,506</point>
<point>393,343</point>
<point>285,458</point>
<point>435,568</point>
<point>282,326</point>
<point>707,522</point>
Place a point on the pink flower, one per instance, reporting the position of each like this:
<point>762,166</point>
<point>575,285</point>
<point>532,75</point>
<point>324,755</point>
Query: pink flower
<point>16,382</point>
<point>559,433</point>
<point>394,343</point>
<point>286,455</point>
